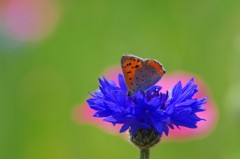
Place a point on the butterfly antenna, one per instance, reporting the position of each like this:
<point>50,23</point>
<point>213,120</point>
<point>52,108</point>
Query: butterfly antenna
<point>129,94</point>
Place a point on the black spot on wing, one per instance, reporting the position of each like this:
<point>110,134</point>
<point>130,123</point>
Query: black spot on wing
<point>129,64</point>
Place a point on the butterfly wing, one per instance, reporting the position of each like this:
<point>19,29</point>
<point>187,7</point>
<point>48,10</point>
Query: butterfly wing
<point>130,65</point>
<point>150,73</point>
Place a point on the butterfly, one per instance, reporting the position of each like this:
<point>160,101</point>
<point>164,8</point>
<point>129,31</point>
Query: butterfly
<point>140,74</point>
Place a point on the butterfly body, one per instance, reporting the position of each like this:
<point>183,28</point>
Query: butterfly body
<point>140,74</point>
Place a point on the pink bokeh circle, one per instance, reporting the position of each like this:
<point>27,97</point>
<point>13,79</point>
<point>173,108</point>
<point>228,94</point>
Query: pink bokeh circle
<point>29,20</point>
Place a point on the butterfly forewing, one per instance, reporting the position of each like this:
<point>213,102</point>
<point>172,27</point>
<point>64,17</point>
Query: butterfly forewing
<point>130,65</point>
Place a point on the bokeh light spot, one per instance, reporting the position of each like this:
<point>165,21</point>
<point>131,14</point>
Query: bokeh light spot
<point>27,21</point>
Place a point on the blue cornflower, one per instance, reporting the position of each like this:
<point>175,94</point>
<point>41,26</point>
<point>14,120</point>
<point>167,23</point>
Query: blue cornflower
<point>147,110</point>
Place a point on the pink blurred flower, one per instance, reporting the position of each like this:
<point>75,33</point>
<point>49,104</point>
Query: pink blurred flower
<point>28,20</point>
<point>83,113</point>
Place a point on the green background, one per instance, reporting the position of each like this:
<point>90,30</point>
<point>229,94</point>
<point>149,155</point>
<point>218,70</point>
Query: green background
<point>41,84</point>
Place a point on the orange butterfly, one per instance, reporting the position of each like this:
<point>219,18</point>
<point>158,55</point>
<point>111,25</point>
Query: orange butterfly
<point>140,74</point>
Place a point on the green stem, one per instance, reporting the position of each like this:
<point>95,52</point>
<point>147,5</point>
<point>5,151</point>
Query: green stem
<point>144,154</point>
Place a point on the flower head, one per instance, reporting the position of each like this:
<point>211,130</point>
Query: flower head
<point>152,109</point>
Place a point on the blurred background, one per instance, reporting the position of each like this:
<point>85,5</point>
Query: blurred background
<point>52,51</point>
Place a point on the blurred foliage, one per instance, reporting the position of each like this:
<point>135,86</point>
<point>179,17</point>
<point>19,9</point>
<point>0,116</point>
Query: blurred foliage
<point>42,82</point>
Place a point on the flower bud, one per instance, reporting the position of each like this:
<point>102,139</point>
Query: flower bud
<point>145,139</point>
